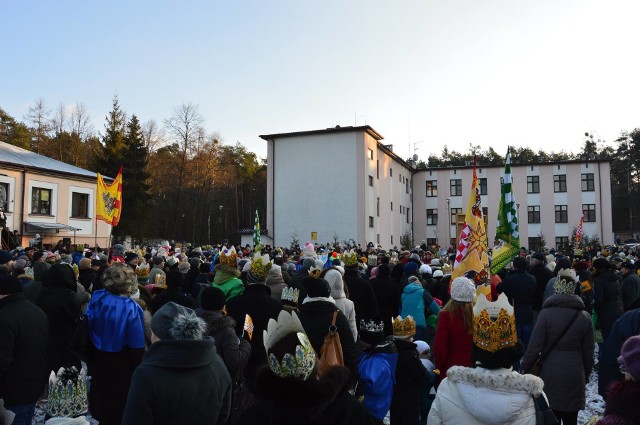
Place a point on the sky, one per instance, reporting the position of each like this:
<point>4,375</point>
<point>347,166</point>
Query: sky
<point>424,74</point>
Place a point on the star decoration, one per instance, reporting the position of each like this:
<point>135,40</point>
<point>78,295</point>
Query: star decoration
<point>477,240</point>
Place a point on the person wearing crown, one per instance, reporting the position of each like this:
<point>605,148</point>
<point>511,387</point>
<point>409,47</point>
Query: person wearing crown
<point>226,278</point>
<point>290,389</point>
<point>566,368</point>
<point>491,392</point>
<point>410,374</point>
<point>360,290</point>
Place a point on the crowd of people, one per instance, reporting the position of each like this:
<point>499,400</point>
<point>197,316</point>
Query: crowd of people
<point>235,335</point>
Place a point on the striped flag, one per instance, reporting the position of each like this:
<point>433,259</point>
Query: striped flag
<point>579,231</point>
<point>507,226</point>
<point>256,230</point>
<point>472,259</point>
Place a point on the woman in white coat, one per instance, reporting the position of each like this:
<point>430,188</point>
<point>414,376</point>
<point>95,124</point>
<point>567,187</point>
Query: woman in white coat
<point>334,277</point>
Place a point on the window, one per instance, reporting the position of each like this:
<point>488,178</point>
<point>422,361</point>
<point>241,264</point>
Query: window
<point>454,215</point>
<point>377,169</point>
<point>535,243</point>
<point>4,196</point>
<point>455,187</point>
<point>391,239</point>
<point>560,183</point>
<point>378,207</point>
<point>432,241</point>
<point>533,184</point>
<point>588,184</point>
<point>406,185</point>
<point>432,188</point>
<point>370,154</point>
<point>400,178</point>
<point>400,209</point>
<point>80,205</point>
<point>561,214</point>
<point>589,211</point>
<point>392,206</point>
<point>483,186</point>
<point>371,181</point>
<point>533,214</point>
<point>41,201</point>
<point>370,221</point>
<point>562,242</point>
<point>390,172</point>
<point>378,238</point>
<point>408,215</point>
<point>432,216</point>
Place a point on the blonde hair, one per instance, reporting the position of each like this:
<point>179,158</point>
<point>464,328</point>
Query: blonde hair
<point>462,310</point>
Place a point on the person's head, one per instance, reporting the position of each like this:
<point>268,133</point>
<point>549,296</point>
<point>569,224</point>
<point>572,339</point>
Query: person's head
<point>424,350</point>
<point>212,298</point>
<point>495,339</point>
<point>403,329</point>
<point>84,264</point>
<point>132,258</point>
<point>410,269</point>
<point>9,284</point>
<point>519,263</point>
<point>630,358</point>
<point>566,282</point>
<point>334,277</point>
<point>537,258</point>
<point>177,323</point>
<point>371,332</point>
<point>601,264</point>
<point>119,279</point>
<point>626,267</point>
<point>158,262</point>
<point>316,288</point>
<point>174,279</point>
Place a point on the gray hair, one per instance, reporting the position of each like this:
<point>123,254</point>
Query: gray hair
<point>119,279</point>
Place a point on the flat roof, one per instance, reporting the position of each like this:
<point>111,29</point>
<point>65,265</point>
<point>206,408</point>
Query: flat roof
<point>514,164</point>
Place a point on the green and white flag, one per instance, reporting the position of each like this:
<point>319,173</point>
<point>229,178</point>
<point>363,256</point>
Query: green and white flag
<point>507,229</point>
<point>256,230</point>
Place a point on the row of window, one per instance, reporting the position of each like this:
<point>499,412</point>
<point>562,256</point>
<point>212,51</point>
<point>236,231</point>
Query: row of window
<point>407,183</point>
<point>535,242</point>
<point>533,214</point>
<point>41,201</point>
<point>533,185</point>
<point>403,210</point>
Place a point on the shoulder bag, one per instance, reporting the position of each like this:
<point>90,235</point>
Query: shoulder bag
<point>331,350</point>
<point>536,367</point>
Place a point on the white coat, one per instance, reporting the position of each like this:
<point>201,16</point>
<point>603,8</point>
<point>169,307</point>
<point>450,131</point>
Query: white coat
<point>345,305</point>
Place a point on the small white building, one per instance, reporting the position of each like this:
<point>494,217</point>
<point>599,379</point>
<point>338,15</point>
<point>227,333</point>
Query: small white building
<point>338,183</point>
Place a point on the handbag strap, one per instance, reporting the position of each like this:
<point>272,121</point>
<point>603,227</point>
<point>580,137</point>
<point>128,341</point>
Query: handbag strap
<point>333,328</point>
<point>544,354</point>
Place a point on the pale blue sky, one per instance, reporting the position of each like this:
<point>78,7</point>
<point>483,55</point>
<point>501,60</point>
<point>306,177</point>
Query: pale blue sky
<point>529,73</point>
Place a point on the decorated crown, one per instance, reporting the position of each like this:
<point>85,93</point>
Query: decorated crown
<point>290,294</point>
<point>300,361</point>
<point>260,266</point>
<point>228,258</point>
<point>371,326</point>
<point>565,282</point>
<point>403,327</point>
<point>67,393</point>
<point>314,272</point>
<point>350,258</point>
<point>494,324</point>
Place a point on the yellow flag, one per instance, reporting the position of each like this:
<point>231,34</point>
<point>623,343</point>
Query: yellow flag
<point>472,258</point>
<point>109,200</point>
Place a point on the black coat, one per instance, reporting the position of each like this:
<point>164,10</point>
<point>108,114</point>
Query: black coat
<point>296,283</point>
<point>234,351</point>
<point>85,278</point>
<point>291,401</point>
<point>190,279</point>
<point>24,332</point>
<point>361,293</point>
<point>179,382</point>
<point>542,275</point>
<point>387,293</point>
<point>626,326</point>
<point>607,291</point>
<point>410,376</point>
<point>255,301</point>
<point>630,290</point>
<point>316,317</point>
<point>519,287</point>
<point>171,294</point>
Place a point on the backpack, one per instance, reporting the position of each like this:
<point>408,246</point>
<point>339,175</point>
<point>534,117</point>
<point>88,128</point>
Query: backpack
<point>331,350</point>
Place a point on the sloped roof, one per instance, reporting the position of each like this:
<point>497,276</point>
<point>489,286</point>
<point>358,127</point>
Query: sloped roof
<point>13,155</point>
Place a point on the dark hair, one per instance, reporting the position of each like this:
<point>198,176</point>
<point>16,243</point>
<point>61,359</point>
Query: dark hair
<point>504,358</point>
<point>205,267</point>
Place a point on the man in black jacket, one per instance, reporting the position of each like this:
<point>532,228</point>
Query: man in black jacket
<point>24,331</point>
<point>542,274</point>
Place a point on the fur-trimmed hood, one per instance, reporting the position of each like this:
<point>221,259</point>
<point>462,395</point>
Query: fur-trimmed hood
<point>215,320</point>
<point>494,396</point>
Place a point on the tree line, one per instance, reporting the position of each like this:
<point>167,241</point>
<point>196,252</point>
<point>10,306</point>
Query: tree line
<point>179,182</point>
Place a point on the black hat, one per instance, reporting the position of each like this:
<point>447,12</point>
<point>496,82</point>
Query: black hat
<point>601,263</point>
<point>5,257</point>
<point>9,284</point>
<point>212,298</point>
<point>130,256</point>
<point>317,287</point>
<point>538,256</point>
<point>519,263</point>
<point>627,265</point>
<point>174,278</point>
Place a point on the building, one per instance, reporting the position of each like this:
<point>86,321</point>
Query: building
<point>339,184</point>
<point>51,198</point>
<point>551,197</point>
<point>343,184</point>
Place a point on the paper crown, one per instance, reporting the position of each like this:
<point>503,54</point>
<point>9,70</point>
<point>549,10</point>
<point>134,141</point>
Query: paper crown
<point>67,393</point>
<point>371,326</point>
<point>350,258</point>
<point>403,327</point>
<point>290,294</point>
<point>260,266</point>
<point>494,324</point>
<point>565,282</point>
<point>300,361</point>
<point>228,258</point>
<point>372,260</point>
<point>314,272</point>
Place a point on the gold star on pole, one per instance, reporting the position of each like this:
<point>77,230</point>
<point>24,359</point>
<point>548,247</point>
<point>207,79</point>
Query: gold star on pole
<point>477,240</point>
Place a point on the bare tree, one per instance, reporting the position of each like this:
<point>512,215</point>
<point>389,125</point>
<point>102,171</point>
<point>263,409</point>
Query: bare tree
<point>38,119</point>
<point>80,129</point>
<point>153,135</point>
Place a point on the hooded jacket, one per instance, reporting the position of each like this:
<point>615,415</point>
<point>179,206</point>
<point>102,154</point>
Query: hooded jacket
<point>342,302</point>
<point>179,382</point>
<point>377,368</point>
<point>485,397</point>
<point>361,293</point>
<point>607,292</point>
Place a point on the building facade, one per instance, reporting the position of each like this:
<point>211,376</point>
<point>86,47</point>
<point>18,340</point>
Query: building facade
<point>343,183</point>
<point>340,184</point>
<point>50,198</point>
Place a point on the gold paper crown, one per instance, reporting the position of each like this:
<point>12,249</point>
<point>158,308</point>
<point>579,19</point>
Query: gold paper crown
<point>494,324</point>
<point>290,294</point>
<point>403,327</point>
<point>260,266</point>
<point>350,258</point>
<point>228,258</point>
<point>315,272</point>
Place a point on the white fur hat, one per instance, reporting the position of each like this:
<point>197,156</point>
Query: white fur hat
<point>425,268</point>
<point>463,290</point>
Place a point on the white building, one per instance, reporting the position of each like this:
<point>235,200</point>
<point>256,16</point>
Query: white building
<point>339,183</point>
<point>344,183</point>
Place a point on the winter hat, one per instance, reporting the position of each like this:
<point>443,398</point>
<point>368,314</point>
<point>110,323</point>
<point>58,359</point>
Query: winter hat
<point>519,263</point>
<point>317,287</point>
<point>371,332</point>
<point>158,260</point>
<point>212,298</point>
<point>20,264</point>
<point>630,356</point>
<point>175,322</point>
<point>421,346</point>
<point>276,270</point>
<point>538,256</point>
<point>437,273</point>
<point>174,279</point>
<point>9,284</point>
<point>463,290</point>
<point>601,264</point>
<point>410,268</point>
<point>425,269</point>
<point>38,255</point>
<point>374,273</point>
<point>436,262</point>
<point>308,263</point>
<point>184,267</point>
<point>5,257</point>
<point>85,263</point>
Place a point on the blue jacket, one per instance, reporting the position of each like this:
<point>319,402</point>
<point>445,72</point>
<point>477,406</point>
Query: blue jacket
<point>377,369</point>
<point>417,302</point>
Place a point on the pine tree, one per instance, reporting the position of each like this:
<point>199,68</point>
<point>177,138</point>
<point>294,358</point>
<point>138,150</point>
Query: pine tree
<point>113,141</point>
<point>135,186</point>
